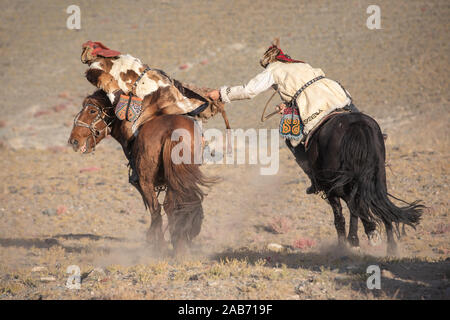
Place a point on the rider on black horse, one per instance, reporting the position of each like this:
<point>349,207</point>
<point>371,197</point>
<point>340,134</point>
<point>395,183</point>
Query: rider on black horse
<point>308,97</point>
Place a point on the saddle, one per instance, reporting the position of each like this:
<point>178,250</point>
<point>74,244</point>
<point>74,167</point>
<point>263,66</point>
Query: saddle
<point>350,108</point>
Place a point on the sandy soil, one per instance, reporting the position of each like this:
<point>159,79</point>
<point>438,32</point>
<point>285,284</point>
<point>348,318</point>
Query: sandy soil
<point>58,208</point>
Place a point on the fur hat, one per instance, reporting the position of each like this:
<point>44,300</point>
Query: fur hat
<point>93,49</point>
<point>274,53</point>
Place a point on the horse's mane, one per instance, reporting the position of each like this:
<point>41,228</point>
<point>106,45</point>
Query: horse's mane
<point>99,98</point>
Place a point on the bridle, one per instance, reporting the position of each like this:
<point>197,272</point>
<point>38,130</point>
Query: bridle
<point>101,115</point>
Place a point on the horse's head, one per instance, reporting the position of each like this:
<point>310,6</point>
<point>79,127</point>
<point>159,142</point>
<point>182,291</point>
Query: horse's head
<point>93,123</point>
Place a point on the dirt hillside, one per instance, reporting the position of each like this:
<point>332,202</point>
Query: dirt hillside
<point>58,208</point>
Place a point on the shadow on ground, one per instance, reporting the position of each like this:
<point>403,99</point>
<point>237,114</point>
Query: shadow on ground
<point>403,278</point>
<point>52,241</point>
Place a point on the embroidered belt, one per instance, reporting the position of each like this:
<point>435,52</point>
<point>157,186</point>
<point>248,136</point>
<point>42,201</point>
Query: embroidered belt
<point>291,124</point>
<point>299,91</point>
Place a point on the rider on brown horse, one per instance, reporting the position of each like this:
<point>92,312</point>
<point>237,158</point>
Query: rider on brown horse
<point>301,112</point>
<point>140,93</point>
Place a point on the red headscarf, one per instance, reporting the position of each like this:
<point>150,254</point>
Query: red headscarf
<point>100,49</point>
<point>284,57</point>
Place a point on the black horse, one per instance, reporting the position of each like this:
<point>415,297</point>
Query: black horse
<point>347,161</point>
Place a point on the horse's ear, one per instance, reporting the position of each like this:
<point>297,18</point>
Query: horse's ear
<point>276,42</point>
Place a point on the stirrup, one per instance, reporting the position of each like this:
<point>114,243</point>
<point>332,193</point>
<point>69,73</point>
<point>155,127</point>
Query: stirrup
<point>133,178</point>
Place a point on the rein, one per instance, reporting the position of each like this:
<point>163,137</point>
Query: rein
<point>293,100</point>
<point>95,133</point>
<point>263,116</point>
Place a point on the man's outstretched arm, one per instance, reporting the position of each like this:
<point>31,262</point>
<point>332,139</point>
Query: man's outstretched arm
<point>255,86</point>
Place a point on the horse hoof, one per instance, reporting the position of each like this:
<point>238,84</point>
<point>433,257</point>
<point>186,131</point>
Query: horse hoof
<point>357,249</point>
<point>342,243</point>
<point>354,242</point>
<point>374,238</point>
<point>180,248</point>
<point>156,241</point>
<point>392,250</point>
<point>181,253</point>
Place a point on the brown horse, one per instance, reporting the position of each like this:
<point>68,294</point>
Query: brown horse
<point>151,154</point>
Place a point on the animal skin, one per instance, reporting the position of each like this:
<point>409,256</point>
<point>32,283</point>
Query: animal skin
<point>159,93</point>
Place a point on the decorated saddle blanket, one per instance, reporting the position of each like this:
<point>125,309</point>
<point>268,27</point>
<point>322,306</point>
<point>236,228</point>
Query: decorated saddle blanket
<point>128,107</point>
<point>291,125</point>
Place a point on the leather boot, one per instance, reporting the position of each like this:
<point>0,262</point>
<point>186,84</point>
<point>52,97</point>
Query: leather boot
<point>133,177</point>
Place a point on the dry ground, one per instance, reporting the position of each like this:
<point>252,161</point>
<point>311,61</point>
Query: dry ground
<point>59,208</point>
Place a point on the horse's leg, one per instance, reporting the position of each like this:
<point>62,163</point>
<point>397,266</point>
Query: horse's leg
<point>391,244</point>
<point>352,237</point>
<point>170,207</point>
<point>353,231</point>
<point>196,219</point>
<point>185,220</point>
<point>370,227</point>
<point>155,235</point>
<point>146,162</point>
<point>174,212</point>
<point>372,233</point>
<point>339,220</point>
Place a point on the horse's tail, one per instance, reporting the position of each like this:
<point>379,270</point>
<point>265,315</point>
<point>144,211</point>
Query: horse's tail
<point>363,164</point>
<point>186,183</point>
<point>184,179</point>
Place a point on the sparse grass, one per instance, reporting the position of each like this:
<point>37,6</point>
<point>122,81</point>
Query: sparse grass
<point>303,243</point>
<point>441,228</point>
<point>237,226</point>
<point>218,271</point>
<point>280,225</point>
